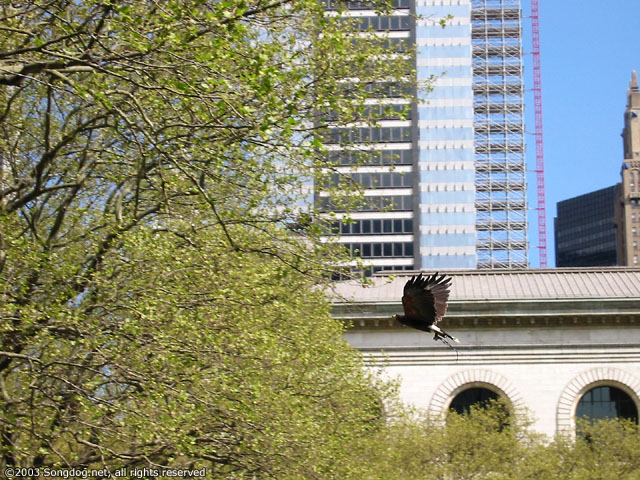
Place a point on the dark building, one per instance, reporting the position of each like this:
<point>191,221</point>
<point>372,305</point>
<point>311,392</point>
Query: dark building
<point>585,232</point>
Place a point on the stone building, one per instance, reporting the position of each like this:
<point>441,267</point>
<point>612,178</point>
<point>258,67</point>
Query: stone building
<point>561,342</point>
<point>628,205</point>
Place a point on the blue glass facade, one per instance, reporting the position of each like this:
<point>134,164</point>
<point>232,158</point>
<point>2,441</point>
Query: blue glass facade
<point>446,191</point>
<point>461,149</point>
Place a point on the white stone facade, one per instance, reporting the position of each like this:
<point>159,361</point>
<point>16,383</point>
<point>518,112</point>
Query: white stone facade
<point>542,354</point>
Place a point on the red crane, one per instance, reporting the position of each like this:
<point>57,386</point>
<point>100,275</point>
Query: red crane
<point>537,101</point>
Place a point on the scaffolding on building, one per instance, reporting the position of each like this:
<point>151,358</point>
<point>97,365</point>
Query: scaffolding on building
<point>501,204</point>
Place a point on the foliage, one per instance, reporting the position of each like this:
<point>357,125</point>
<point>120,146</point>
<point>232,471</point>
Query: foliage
<point>160,289</point>
<point>229,359</point>
<point>493,443</point>
<point>485,443</point>
<point>607,449</point>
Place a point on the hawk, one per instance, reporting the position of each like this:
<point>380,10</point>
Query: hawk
<point>424,301</point>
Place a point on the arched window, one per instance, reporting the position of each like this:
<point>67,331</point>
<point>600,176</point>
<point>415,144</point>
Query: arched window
<point>472,396</point>
<point>606,402</point>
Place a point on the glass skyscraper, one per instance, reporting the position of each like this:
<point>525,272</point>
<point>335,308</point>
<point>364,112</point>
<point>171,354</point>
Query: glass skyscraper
<point>456,193</point>
<point>585,231</point>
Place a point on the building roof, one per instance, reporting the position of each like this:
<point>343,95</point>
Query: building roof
<point>507,285</point>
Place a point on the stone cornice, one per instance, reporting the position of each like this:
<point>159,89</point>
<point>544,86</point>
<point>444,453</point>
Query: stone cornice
<point>501,354</point>
<point>503,313</point>
<point>633,163</point>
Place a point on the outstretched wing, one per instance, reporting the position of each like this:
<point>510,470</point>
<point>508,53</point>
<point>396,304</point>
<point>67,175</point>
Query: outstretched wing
<point>439,288</point>
<point>426,297</point>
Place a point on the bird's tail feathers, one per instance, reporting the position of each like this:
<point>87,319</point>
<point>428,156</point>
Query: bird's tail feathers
<point>438,333</point>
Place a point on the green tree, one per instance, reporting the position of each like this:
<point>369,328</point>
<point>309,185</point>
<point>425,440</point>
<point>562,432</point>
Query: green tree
<point>492,442</point>
<point>488,442</point>
<point>160,293</point>
<point>607,449</point>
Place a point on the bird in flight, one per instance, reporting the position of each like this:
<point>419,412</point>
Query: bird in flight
<point>424,301</point>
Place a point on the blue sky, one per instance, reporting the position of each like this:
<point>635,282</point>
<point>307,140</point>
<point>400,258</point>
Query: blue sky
<point>588,50</point>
